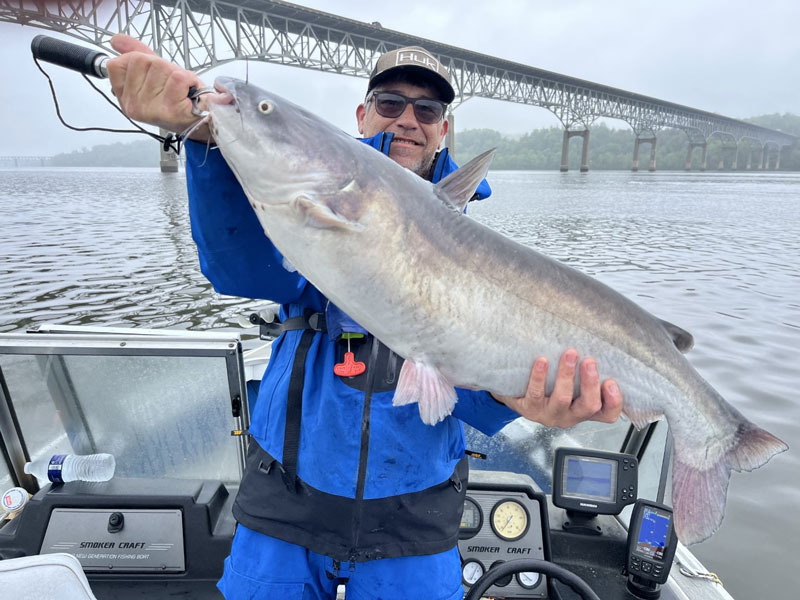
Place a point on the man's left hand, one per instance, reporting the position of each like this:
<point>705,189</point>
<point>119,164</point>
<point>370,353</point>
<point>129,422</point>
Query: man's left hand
<point>596,402</point>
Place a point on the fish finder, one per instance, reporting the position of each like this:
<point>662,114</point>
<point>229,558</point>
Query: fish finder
<point>652,542</point>
<point>588,483</point>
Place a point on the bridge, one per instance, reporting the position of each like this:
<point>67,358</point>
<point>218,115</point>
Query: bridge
<point>24,161</point>
<point>200,34</point>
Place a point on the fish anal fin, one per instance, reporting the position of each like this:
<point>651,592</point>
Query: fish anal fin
<point>683,340</point>
<point>698,494</point>
<point>459,186</point>
<point>641,417</point>
<point>422,383</point>
<point>319,214</point>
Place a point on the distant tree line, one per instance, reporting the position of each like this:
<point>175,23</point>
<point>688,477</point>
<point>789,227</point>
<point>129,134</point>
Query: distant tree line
<point>613,148</point>
<point>537,150</point>
<point>141,153</point>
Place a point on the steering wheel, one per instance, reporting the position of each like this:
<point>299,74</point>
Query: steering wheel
<point>522,565</point>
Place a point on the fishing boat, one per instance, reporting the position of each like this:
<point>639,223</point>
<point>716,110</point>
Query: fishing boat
<point>173,408</point>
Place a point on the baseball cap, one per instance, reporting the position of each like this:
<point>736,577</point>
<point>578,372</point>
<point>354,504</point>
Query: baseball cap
<point>418,60</point>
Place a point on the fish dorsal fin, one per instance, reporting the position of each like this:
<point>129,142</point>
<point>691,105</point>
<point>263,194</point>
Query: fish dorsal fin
<point>458,187</point>
<point>682,339</point>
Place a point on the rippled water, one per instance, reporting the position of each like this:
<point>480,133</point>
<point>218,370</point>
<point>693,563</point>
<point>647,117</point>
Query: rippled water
<point>716,253</point>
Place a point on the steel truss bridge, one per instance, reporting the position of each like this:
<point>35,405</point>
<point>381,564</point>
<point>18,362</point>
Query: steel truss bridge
<point>200,34</point>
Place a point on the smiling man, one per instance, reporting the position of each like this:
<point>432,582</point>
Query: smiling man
<point>340,486</point>
<point>408,93</point>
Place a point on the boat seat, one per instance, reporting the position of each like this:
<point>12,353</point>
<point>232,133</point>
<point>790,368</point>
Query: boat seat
<point>44,577</point>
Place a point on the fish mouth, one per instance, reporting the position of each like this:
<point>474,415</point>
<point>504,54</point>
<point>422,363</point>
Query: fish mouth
<point>225,93</point>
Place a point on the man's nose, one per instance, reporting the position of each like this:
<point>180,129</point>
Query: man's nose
<point>407,118</point>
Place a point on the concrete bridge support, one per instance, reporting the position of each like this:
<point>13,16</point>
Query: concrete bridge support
<point>636,143</point>
<point>692,146</point>
<point>778,160</point>
<point>584,133</point>
<point>734,152</point>
<point>450,138</point>
<point>761,160</point>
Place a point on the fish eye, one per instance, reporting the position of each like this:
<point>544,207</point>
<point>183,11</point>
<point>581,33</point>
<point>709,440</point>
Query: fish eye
<point>265,107</point>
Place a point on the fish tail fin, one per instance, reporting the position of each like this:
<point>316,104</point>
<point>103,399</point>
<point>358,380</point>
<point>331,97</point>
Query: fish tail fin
<point>422,383</point>
<point>698,494</point>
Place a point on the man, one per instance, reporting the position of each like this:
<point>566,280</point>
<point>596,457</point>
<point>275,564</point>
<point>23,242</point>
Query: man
<point>340,486</point>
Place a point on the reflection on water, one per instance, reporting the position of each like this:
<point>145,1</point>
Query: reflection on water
<point>714,253</point>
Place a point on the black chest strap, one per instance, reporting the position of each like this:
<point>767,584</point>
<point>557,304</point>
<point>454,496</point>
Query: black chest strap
<point>294,410</point>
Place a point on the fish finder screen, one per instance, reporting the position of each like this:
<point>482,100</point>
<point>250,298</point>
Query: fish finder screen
<point>594,478</point>
<point>653,533</point>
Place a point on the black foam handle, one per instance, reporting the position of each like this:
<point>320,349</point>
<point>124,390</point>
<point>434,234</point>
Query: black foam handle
<point>71,56</point>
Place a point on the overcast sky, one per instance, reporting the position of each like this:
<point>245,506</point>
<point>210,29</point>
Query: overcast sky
<point>739,58</point>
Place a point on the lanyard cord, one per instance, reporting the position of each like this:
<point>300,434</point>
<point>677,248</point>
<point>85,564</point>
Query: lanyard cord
<point>170,142</point>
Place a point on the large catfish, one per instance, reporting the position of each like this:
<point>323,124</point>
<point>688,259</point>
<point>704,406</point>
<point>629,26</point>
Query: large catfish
<point>464,305</point>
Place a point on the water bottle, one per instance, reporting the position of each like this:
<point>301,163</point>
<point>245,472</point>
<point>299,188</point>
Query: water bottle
<point>61,468</point>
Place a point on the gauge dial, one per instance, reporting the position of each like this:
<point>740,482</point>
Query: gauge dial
<point>509,520</point>
<point>471,571</point>
<point>528,580</point>
<point>471,519</point>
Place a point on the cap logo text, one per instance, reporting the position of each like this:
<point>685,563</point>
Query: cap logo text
<point>419,58</point>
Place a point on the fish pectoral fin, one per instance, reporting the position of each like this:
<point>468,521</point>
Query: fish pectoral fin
<point>287,264</point>
<point>319,214</point>
<point>422,383</point>
<point>683,340</point>
<point>458,188</point>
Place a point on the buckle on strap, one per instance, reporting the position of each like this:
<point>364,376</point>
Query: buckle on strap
<point>315,321</point>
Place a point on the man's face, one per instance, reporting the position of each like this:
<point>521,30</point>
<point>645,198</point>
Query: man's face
<point>414,143</point>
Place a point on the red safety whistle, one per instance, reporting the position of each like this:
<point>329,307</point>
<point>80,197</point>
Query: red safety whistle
<point>349,368</point>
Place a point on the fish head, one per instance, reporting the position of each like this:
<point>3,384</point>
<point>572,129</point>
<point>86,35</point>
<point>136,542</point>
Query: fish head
<point>278,150</point>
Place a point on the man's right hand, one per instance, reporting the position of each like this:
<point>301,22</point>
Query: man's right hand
<point>153,90</point>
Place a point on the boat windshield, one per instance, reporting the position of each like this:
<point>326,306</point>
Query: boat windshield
<point>527,447</point>
<point>163,406</point>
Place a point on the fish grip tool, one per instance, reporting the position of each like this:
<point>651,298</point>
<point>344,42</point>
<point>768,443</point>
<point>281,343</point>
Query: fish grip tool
<point>87,61</point>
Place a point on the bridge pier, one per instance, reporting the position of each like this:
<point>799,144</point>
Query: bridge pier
<point>778,160</point>
<point>761,160</point>
<point>450,138</point>
<point>636,143</point>
<point>583,133</point>
<point>735,153</point>
<point>692,146</point>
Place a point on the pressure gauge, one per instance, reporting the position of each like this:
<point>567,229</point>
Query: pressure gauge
<point>509,520</point>
<point>471,571</point>
<point>528,580</point>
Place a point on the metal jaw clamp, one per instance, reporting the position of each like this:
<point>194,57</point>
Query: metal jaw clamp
<point>194,96</point>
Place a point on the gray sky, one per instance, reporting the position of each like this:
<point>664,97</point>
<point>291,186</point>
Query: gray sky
<point>738,58</point>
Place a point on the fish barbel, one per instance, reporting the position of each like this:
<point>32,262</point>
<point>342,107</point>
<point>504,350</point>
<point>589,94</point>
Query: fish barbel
<point>398,255</point>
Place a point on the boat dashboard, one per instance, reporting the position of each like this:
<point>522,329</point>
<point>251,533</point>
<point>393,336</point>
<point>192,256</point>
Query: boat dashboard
<point>173,408</point>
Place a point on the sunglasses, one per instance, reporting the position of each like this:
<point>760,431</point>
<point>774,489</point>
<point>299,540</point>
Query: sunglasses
<point>391,106</point>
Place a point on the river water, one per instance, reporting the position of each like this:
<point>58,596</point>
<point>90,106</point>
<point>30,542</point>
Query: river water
<point>716,253</point>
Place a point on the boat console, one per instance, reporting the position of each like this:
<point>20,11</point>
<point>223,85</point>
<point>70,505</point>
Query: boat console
<point>546,512</point>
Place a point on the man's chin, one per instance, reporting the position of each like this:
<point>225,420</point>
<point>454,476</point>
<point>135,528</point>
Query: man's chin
<point>412,163</point>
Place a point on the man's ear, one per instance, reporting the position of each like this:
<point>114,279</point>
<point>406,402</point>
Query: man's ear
<point>445,125</point>
<point>361,112</point>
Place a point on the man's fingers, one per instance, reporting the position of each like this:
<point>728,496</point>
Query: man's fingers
<point>564,387</point>
<point>611,402</point>
<point>123,44</point>
<point>589,401</point>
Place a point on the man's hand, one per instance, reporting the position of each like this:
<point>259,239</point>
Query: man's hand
<point>596,401</point>
<point>153,90</point>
